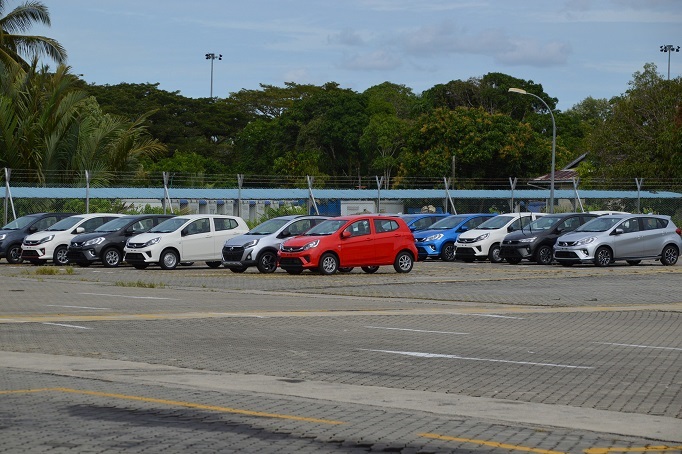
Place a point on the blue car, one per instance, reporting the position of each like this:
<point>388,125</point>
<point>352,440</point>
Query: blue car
<point>438,241</point>
<point>421,221</point>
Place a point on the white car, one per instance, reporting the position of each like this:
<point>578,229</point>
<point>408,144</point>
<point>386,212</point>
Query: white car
<point>52,243</point>
<point>483,242</point>
<point>188,238</point>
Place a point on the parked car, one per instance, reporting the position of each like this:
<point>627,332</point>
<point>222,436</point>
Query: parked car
<point>106,243</point>
<point>438,241</point>
<point>421,221</point>
<point>535,242</point>
<point>484,241</point>
<point>259,246</point>
<point>13,234</point>
<point>187,238</point>
<point>367,241</point>
<point>52,243</point>
<point>629,237</point>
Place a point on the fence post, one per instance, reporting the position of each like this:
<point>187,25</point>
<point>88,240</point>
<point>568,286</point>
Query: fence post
<point>379,183</point>
<point>8,195</point>
<point>639,182</point>
<point>240,181</point>
<point>512,183</point>
<point>447,194</point>
<point>87,192</point>
<point>166,196</point>
<point>311,197</point>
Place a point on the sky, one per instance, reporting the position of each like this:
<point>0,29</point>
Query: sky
<point>573,48</point>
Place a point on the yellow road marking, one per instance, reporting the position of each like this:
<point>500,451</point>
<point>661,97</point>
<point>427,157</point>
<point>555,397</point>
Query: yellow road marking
<point>176,403</point>
<point>493,444</point>
<point>642,449</point>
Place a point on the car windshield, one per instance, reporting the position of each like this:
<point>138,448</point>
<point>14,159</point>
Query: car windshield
<point>543,223</point>
<point>170,225</point>
<point>268,227</point>
<point>20,223</point>
<point>496,223</point>
<point>64,224</point>
<point>114,225</point>
<point>448,223</point>
<point>326,227</point>
<point>599,224</point>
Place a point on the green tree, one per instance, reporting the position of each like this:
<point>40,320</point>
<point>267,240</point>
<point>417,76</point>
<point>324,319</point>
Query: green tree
<point>15,45</point>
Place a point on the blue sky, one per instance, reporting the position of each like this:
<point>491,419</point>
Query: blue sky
<point>574,48</point>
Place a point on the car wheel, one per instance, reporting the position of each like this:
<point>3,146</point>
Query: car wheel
<point>494,254</point>
<point>633,262</point>
<point>111,258</point>
<point>403,262</point>
<point>294,271</point>
<point>60,257</point>
<point>169,259</point>
<point>345,269</point>
<point>447,254</point>
<point>215,264</point>
<point>140,266</point>
<point>669,255</point>
<point>544,255</point>
<point>267,262</point>
<point>603,256</point>
<point>329,264</point>
<point>513,260</point>
<point>370,269</point>
<point>14,254</point>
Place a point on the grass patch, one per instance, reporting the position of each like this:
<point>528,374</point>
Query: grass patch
<point>46,271</point>
<point>140,284</point>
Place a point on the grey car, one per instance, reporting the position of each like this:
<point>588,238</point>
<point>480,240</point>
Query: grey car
<point>629,237</point>
<point>259,246</point>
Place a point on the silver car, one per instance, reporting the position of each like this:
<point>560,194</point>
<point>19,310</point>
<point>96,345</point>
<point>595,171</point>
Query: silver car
<point>629,237</point>
<point>259,246</point>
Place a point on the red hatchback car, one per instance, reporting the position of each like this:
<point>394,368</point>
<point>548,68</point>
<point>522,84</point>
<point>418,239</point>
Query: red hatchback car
<point>345,242</point>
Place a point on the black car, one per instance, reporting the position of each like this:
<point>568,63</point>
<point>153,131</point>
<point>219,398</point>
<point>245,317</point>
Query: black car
<point>13,234</point>
<point>535,242</point>
<point>106,243</point>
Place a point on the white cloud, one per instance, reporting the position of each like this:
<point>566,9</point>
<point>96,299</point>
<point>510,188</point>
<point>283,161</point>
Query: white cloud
<point>533,53</point>
<point>377,60</point>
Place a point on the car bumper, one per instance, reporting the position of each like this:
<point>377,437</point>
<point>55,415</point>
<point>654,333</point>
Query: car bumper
<point>427,250</point>
<point>294,262</point>
<point>81,255</point>
<point>134,256</point>
<point>573,254</point>
<point>38,252</point>
<point>469,251</point>
<point>516,252</point>
<point>238,257</point>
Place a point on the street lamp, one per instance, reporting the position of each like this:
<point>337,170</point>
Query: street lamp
<point>551,177</point>
<point>669,48</point>
<point>213,57</point>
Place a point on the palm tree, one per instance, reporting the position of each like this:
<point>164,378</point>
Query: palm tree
<point>15,45</point>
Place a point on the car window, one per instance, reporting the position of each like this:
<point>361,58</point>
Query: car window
<point>385,225</point>
<point>570,224</point>
<point>199,226</point>
<point>142,225</point>
<point>45,223</point>
<point>224,223</point>
<point>473,223</point>
<point>422,223</point>
<point>525,220</point>
<point>629,225</point>
<point>91,224</point>
<point>652,223</point>
<point>359,228</point>
<point>517,224</point>
<point>299,227</point>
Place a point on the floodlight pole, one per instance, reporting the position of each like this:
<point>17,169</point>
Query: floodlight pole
<point>669,48</point>
<point>212,57</point>
<point>551,178</point>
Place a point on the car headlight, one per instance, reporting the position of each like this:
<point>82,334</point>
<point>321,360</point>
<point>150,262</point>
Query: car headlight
<point>481,237</point>
<point>3,236</point>
<point>528,240</point>
<point>585,241</point>
<point>152,242</point>
<point>46,239</point>
<point>94,241</point>
<point>435,237</point>
<point>311,245</point>
<point>251,243</point>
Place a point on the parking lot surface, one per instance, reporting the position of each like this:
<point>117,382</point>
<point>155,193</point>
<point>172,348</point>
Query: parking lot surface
<point>451,357</point>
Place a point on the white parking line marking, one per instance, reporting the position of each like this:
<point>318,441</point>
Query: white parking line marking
<point>81,307</point>
<point>487,315</point>
<point>438,355</point>
<point>414,330</point>
<point>134,297</point>
<point>68,326</point>
<point>639,346</point>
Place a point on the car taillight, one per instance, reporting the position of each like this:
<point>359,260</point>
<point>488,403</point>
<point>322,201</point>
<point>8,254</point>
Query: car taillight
<point>679,231</point>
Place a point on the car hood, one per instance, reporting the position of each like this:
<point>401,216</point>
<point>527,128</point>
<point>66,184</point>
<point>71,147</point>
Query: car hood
<point>478,232</point>
<point>11,232</point>
<point>88,236</point>
<point>144,237</point>
<point>303,240</point>
<point>243,239</point>
<point>521,234</point>
<point>44,233</point>
<point>426,233</point>
<point>575,236</point>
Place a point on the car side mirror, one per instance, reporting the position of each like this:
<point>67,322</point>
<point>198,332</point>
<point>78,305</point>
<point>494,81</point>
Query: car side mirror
<point>80,230</point>
<point>618,232</point>
<point>346,234</point>
<point>32,229</point>
<point>463,229</point>
<point>183,232</point>
<point>510,229</point>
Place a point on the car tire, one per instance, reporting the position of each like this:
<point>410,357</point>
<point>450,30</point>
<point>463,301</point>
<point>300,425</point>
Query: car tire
<point>111,257</point>
<point>329,264</point>
<point>543,256</point>
<point>633,262</point>
<point>267,262</point>
<point>169,259</point>
<point>603,256</point>
<point>447,253</point>
<point>238,269</point>
<point>513,260</point>
<point>403,262</point>
<point>670,255</point>
<point>59,257</point>
<point>494,254</point>
<point>14,254</point>
<point>214,264</point>
<point>370,269</point>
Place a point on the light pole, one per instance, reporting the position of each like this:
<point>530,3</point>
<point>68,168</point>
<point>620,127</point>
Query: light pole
<point>213,57</point>
<point>669,48</point>
<point>551,175</point>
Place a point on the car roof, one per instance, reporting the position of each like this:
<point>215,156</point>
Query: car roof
<point>352,217</point>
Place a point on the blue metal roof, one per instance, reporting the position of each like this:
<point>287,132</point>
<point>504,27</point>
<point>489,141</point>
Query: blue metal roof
<point>344,194</point>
